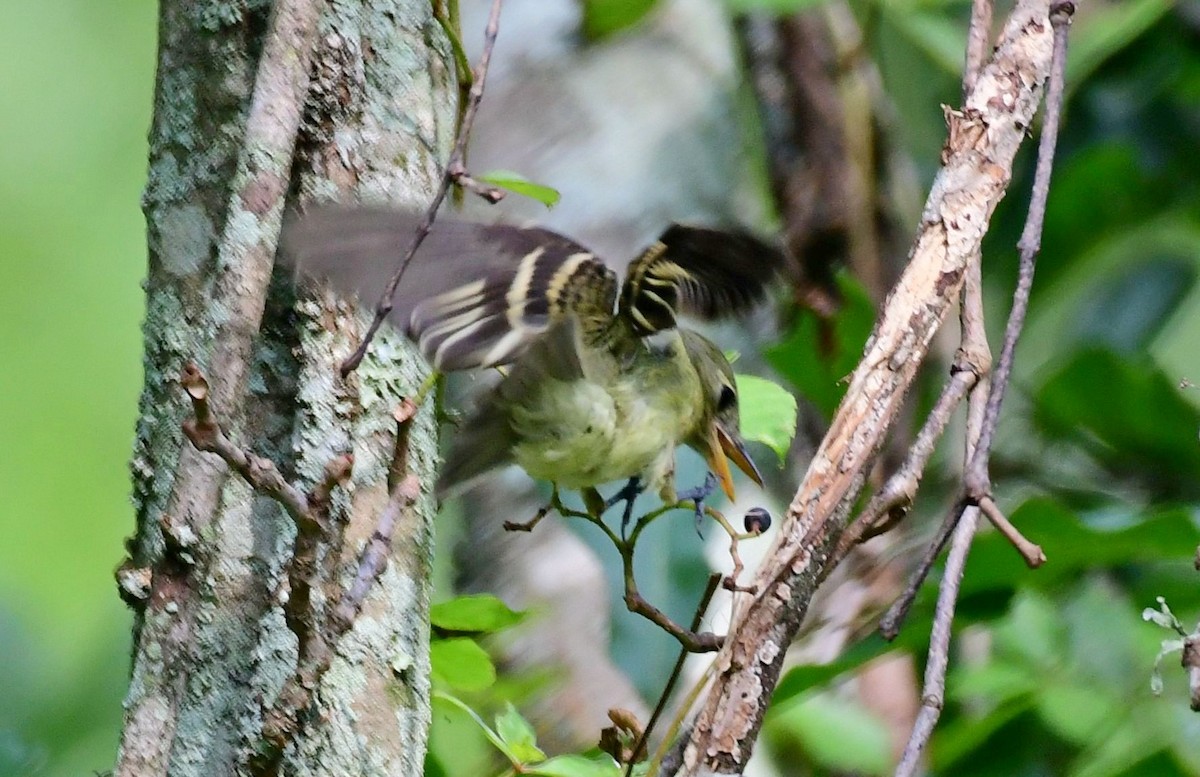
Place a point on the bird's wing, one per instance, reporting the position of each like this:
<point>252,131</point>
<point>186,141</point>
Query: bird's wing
<point>704,272</point>
<point>474,296</point>
<point>495,316</point>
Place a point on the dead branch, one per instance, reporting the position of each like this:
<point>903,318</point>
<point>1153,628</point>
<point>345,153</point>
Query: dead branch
<point>980,438</point>
<point>977,159</point>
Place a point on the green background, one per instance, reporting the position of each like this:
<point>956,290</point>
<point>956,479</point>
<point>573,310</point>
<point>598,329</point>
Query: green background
<point>77,79</point>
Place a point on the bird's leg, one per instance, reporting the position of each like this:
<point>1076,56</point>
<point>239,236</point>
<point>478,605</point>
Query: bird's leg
<point>628,494</point>
<point>697,496</point>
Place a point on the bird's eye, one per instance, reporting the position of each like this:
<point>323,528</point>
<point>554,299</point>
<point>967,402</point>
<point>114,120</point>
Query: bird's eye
<point>727,399</point>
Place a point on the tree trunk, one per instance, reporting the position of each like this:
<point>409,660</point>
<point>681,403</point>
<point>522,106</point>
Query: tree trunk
<point>236,118</point>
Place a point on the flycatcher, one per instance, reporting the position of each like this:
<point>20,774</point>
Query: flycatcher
<point>602,384</point>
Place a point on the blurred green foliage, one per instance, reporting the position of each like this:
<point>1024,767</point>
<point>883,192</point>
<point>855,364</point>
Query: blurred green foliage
<point>77,79</point>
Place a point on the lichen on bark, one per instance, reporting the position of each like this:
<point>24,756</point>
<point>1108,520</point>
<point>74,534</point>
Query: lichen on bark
<point>212,646</point>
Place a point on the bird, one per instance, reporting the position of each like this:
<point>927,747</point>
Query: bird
<point>600,381</point>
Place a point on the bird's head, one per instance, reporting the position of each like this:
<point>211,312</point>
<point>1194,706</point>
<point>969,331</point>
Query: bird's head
<point>718,436</point>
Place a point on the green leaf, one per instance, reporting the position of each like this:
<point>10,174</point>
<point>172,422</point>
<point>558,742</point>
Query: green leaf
<point>602,18</point>
<point>938,36</point>
<point>461,664</point>
<point>962,736</point>
<point>768,413</point>
<point>491,735</point>
<point>1033,632</point>
<point>1107,29</point>
<point>995,681</point>
<point>519,184</point>
<point>836,734</point>
<point>1073,547</point>
<point>577,766</point>
<point>519,737</point>
<point>1078,713</point>
<point>1133,418</point>
<point>802,678</point>
<point>475,613</point>
<point>817,356</point>
<point>1146,730</point>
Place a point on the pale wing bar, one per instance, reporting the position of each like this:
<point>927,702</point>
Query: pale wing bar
<point>705,272</point>
<point>492,320</point>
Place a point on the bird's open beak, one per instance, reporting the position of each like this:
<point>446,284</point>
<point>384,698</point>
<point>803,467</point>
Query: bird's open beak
<point>724,447</point>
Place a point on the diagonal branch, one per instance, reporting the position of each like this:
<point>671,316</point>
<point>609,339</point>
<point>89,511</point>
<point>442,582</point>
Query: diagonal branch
<point>982,429</point>
<point>977,160</point>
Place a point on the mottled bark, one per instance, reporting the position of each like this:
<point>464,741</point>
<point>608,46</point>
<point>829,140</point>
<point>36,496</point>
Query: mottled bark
<point>212,648</point>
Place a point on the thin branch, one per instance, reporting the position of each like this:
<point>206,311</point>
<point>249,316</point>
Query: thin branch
<point>455,170</point>
<point>933,695</point>
<point>1030,551</point>
<point>730,583</point>
<point>206,435</point>
<point>488,193</point>
<point>979,35</point>
<point>891,503</point>
<point>284,720</point>
<point>692,641</point>
<point>977,480</point>
<point>405,490</point>
<point>705,598</point>
<point>980,437</point>
<point>889,624</point>
<point>310,513</point>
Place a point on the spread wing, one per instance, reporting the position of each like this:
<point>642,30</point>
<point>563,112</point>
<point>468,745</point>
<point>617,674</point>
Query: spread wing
<point>705,272</point>
<point>474,296</point>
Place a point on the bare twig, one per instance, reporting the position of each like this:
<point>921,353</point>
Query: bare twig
<point>304,574</point>
<point>730,583</point>
<point>934,692</point>
<point>692,641</point>
<point>206,435</point>
<point>455,171</point>
<point>977,481</point>
<point>405,489</point>
<point>979,35</point>
<point>1031,552</point>
<point>892,502</point>
<point>491,194</point>
<point>981,435</point>
<point>284,720</point>
<point>310,512</point>
<point>889,624</point>
<point>705,598</point>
